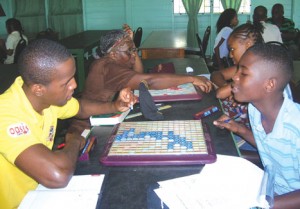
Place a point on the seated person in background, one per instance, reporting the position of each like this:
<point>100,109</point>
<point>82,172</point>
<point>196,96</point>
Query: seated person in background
<point>289,34</point>
<point>270,32</point>
<point>29,110</point>
<point>263,73</point>
<point>15,31</point>
<point>241,38</point>
<point>225,24</point>
<point>119,66</point>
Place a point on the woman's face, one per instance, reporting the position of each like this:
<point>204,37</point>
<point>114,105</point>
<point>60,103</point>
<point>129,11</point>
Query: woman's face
<point>237,48</point>
<point>125,53</point>
<point>234,21</point>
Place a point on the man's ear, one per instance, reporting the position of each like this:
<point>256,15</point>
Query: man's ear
<point>38,89</point>
<point>271,84</point>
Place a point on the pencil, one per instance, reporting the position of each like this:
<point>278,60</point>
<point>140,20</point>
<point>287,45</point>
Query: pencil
<point>233,118</point>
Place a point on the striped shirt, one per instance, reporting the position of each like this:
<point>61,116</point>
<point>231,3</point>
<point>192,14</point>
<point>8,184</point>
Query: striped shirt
<point>281,147</point>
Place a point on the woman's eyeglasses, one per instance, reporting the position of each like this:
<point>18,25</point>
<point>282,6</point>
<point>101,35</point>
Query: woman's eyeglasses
<point>129,52</point>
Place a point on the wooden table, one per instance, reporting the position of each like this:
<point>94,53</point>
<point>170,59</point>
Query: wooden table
<point>128,187</point>
<point>164,44</point>
<point>198,64</point>
<point>79,44</point>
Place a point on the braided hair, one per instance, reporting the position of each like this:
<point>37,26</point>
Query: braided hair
<point>248,31</point>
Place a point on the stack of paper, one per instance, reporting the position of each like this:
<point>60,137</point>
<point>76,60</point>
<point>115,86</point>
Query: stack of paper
<point>81,192</point>
<point>230,182</point>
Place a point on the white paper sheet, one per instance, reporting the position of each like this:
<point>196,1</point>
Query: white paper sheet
<point>230,182</point>
<point>81,192</point>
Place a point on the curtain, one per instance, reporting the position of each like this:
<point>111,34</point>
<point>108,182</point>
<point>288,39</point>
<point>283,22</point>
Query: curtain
<point>192,8</point>
<point>31,14</point>
<point>234,4</point>
<point>65,16</point>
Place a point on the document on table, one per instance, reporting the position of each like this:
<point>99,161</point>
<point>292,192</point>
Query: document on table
<point>82,192</point>
<point>230,182</point>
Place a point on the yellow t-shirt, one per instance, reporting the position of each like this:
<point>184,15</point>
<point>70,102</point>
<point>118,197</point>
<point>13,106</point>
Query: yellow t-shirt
<point>21,127</point>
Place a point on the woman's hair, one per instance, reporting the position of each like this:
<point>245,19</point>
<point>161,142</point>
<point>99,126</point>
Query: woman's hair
<point>13,24</point>
<point>38,61</point>
<point>225,19</point>
<point>247,31</point>
<point>109,41</point>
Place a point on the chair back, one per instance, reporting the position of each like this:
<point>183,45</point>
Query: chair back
<point>205,39</point>
<point>200,45</point>
<point>137,38</point>
<point>20,46</point>
<point>278,43</point>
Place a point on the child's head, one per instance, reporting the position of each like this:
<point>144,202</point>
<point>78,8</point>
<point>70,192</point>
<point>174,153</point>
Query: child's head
<point>241,38</point>
<point>12,24</point>
<point>227,18</point>
<point>263,72</point>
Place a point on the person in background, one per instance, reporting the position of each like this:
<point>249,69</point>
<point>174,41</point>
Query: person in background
<point>15,33</point>
<point>263,73</point>
<point>289,34</point>
<point>225,24</point>
<point>29,110</point>
<point>270,32</point>
<point>119,66</point>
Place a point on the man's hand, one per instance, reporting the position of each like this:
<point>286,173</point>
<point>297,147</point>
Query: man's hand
<point>125,100</point>
<point>203,83</point>
<point>225,122</point>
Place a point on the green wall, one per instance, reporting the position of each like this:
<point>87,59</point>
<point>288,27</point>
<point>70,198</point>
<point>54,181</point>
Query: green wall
<point>152,15</point>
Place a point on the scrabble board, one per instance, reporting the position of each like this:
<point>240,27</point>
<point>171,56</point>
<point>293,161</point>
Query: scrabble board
<point>182,92</point>
<point>179,142</point>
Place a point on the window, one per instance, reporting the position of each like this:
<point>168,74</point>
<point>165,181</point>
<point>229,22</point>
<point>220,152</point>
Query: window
<point>217,7</point>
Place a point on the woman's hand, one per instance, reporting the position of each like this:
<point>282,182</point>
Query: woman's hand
<point>125,100</point>
<point>128,30</point>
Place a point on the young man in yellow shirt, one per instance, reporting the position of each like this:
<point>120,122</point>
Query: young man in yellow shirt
<point>29,110</point>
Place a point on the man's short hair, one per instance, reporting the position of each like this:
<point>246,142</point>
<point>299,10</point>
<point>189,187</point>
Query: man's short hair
<point>38,61</point>
<point>260,13</point>
<point>277,60</point>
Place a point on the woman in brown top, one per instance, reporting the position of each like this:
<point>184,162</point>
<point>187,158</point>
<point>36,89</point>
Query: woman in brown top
<point>119,66</point>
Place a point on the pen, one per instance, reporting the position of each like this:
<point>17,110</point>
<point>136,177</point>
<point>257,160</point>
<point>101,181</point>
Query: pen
<point>62,145</point>
<point>233,118</point>
<point>239,113</point>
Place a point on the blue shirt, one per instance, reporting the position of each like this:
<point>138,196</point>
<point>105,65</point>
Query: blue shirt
<point>281,147</point>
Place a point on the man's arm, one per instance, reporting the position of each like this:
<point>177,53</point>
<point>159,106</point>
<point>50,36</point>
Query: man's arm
<point>52,169</point>
<point>290,200</point>
<point>90,107</point>
<point>221,77</point>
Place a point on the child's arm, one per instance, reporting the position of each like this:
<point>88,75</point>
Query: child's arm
<point>236,128</point>
<point>221,77</point>
<point>224,91</point>
<point>290,200</point>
